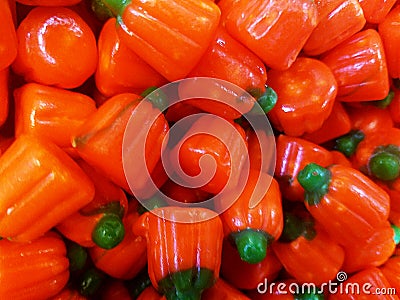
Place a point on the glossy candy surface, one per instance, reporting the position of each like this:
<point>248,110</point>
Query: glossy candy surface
<point>268,160</point>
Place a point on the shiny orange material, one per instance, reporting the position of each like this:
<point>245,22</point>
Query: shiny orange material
<point>40,57</point>
<point>129,257</point>
<point>4,95</point>
<point>254,150</point>
<point>279,291</point>
<point>361,158</point>
<point>115,289</point>
<point>183,194</point>
<point>158,178</point>
<point>225,6</point>
<point>221,290</point>
<point>180,110</point>
<point>359,66</point>
<point>41,186</point>
<point>311,260</point>
<point>337,124</point>
<point>340,159</point>
<point>260,160</point>
<point>374,283</point>
<point>84,9</point>
<point>49,2</point>
<point>358,204</point>
<point>338,20</point>
<point>159,33</point>
<point>365,149</point>
<point>394,108</point>
<point>370,119</point>
<point>168,254</point>
<point>391,270</point>
<point>394,192</point>
<point>243,275</point>
<point>119,69</point>
<point>223,143</point>
<point>5,142</point>
<point>389,32</point>
<point>229,60</point>
<point>69,294</point>
<point>8,36</point>
<point>370,252</point>
<point>265,216</point>
<point>278,39</point>
<point>306,94</point>
<point>375,11</point>
<point>224,99</point>
<point>99,140</point>
<point>393,189</point>
<point>293,154</point>
<point>51,113</point>
<point>150,293</point>
<point>34,270</point>
<point>219,108</point>
<point>79,226</point>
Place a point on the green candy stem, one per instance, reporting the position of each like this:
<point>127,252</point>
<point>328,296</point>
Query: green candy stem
<point>396,236</point>
<point>384,165</point>
<point>90,282</point>
<point>309,296</point>
<point>251,245</point>
<point>109,231</point>
<point>100,10</point>
<point>77,256</point>
<point>187,284</point>
<point>152,203</point>
<point>384,102</point>
<point>156,97</point>
<point>116,6</point>
<point>295,227</point>
<point>347,144</point>
<point>315,180</point>
<point>266,99</point>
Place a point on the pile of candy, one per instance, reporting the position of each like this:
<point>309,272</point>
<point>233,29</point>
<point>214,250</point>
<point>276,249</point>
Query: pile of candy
<point>86,127</point>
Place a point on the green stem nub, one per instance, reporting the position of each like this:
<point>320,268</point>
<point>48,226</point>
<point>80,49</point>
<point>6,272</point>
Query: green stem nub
<point>347,144</point>
<point>90,282</point>
<point>251,244</point>
<point>156,97</point>
<point>77,256</point>
<point>187,284</point>
<point>396,236</point>
<point>315,180</point>
<point>109,231</point>
<point>295,227</point>
<point>309,296</point>
<point>384,102</point>
<point>151,203</point>
<point>100,10</point>
<point>116,6</point>
<point>266,99</point>
<point>385,163</point>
